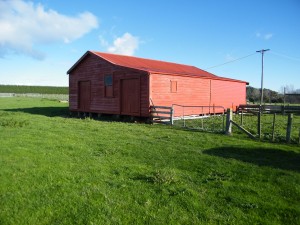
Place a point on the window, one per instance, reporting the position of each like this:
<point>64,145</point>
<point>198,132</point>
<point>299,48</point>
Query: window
<point>108,86</point>
<point>173,87</point>
<point>108,81</point>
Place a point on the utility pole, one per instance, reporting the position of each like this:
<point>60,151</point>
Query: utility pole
<point>261,92</point>
<point>262,74</point>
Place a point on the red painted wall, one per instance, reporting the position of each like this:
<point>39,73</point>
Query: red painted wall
<point>227,93</point>
<point>93,69</point>
<point>193,91</point>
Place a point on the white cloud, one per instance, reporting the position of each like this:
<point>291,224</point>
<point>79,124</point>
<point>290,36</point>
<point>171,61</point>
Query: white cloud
<point>266,37</point>
<point>25,24</point>
<point>103,42</point>
<point>124,45</point>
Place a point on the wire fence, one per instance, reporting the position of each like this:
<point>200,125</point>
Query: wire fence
<point>60,97</point>
<point>206,118</point>
<point>266,126</point>
<point>274,127</point>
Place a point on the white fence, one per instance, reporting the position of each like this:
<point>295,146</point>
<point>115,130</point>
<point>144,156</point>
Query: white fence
<point>61,97</point>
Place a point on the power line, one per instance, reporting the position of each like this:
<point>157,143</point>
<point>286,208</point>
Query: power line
<point>231,61</point>
<point>285,56</point>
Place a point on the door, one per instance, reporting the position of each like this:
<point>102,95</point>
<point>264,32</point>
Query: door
<point>84,93</point>
<point>130,97</point>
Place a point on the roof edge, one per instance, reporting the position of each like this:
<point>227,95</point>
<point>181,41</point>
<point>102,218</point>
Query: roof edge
<point>78,61</point>
<point>94,53</point>
<point>203,77</point>
<point>214,77</point>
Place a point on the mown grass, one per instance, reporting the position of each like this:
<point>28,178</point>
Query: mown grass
<point>60,170</point>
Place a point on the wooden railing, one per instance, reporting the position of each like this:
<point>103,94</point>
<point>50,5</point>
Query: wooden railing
<point>161,114</point>
<point>269,108</point>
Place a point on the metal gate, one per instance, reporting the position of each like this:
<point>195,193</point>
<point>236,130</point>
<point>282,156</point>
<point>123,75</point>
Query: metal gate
<point>206,118</point>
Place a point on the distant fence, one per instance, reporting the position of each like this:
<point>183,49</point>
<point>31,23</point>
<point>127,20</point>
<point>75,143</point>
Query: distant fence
<point>61,97</point>
<point>7,95</point>
<point>269,108</point>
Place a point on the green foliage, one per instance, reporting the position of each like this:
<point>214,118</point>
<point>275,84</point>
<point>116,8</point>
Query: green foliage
<point>33,89</point>
<point>60,170</point>
<point>253,95</point>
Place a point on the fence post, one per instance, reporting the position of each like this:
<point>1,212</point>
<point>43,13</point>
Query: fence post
<point>202,118</point>
<point>223,116</point>
<point>183,116</point>
<point>242,118</point>
<point>228,122</point>
<point>289,128</point>
<point>259,124</point>
<point>171,115</point>
<point>273,127</point>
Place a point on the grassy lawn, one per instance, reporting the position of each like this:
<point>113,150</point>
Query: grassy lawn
<point>60,170</point>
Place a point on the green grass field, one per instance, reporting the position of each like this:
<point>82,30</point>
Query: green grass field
<point>60,170</point>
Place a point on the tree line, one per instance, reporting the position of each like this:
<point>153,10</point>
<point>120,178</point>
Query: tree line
<point>288,95</point>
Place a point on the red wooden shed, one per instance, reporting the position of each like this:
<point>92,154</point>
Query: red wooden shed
<point>125,85</point>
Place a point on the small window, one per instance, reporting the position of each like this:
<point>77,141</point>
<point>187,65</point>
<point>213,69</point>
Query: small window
<point>108,81</point>
<point>108,86</point>
<point>173,87</point>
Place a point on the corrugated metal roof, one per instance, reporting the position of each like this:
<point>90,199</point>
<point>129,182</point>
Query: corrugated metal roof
<point>153,66</point>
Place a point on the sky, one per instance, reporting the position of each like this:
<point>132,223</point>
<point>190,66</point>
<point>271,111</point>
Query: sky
<point>41,39</point>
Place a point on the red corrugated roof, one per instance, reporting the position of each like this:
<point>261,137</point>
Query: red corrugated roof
<point>153,66</point>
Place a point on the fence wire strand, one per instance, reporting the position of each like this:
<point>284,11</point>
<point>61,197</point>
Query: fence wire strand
<point>207,118</point>
<point>274,132</point>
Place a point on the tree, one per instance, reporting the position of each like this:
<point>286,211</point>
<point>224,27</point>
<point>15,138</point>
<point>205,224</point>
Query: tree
<point>253,96</point>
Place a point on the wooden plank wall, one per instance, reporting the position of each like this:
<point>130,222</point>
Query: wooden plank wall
<point>93,68</point>
<point>190,91</point>
<point>196,92</point>
<point>228,94</point>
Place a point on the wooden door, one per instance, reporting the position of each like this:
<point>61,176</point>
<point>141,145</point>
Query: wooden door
<point>84,93</point>
<point>130,97</point>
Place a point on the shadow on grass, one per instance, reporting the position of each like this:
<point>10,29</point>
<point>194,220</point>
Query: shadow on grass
<point>287,160</point>
<point>64,112</point>
<point>45,111</point>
